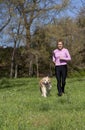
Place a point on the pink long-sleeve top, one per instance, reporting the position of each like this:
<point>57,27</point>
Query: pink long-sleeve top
<point>60,57</point>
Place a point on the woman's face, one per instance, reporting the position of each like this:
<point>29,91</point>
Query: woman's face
<point>60,45</point>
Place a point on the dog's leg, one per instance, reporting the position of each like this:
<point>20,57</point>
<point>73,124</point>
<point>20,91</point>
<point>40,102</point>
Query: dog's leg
<point>44,91</point>
<point>49,89</point>
<point>50,86</point>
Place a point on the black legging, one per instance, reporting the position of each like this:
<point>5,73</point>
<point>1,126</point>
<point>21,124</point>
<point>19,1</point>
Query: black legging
<point>61,74</point>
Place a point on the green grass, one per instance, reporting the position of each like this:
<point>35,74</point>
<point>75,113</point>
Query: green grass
<point>23,108</point>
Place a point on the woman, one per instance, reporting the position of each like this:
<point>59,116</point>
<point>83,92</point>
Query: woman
<point>60,57</point>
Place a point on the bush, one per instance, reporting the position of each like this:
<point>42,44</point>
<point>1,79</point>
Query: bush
<point>76,73</point>
<point>4,83</point>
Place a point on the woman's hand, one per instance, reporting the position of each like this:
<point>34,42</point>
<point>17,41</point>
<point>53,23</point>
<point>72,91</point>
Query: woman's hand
<point>61,58</point>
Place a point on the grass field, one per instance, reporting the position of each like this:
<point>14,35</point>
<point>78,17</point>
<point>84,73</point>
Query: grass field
<point>23,108</point>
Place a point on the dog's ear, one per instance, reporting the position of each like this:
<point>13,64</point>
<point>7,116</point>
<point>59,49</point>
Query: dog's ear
<point>47,77</point>
<point>43,80</point>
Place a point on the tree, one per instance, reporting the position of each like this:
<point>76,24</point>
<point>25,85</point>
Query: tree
<point>3,16</point>
<point>16,37</point>
<point>33,10</point>
<point>81,26</point>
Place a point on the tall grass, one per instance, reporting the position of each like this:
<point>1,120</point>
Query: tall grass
<point>23,108</point>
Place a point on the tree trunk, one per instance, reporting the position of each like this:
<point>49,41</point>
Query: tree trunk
<point>16,70</point>
<point>37,66</point>
<point>27,27</point>
<point>30,68</point>
<point>12,61</point>
<point>11,70</point>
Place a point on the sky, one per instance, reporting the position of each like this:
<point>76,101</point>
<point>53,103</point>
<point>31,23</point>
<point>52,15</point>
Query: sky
<point>74,8</point>
<point>72,12</point>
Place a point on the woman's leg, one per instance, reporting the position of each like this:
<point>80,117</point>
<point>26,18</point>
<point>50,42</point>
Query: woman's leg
<point>58,77</point>
<point>64,75</point>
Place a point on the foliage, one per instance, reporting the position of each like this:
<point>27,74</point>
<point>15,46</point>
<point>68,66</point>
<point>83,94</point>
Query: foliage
<point>33,31</point>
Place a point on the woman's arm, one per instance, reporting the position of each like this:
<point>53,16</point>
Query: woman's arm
<point>67,56</point>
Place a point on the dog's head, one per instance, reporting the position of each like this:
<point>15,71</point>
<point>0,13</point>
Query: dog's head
<point>46,80</point>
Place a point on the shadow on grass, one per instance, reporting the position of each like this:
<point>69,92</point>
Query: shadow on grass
<point>7,83</point>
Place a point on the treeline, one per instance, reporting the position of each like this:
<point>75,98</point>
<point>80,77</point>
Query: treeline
<point>37,61</point>
<point>30,32</point>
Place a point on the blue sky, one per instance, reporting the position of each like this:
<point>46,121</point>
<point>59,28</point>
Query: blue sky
<point>72,12</point>
<point>74,8</point>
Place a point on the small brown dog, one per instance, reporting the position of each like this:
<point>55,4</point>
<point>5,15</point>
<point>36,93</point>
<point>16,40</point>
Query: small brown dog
<point>45,86</point>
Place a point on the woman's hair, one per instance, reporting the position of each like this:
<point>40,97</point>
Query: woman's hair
<point>60,40</point>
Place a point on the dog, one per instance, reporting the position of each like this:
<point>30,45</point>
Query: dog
<point>45,86</point>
